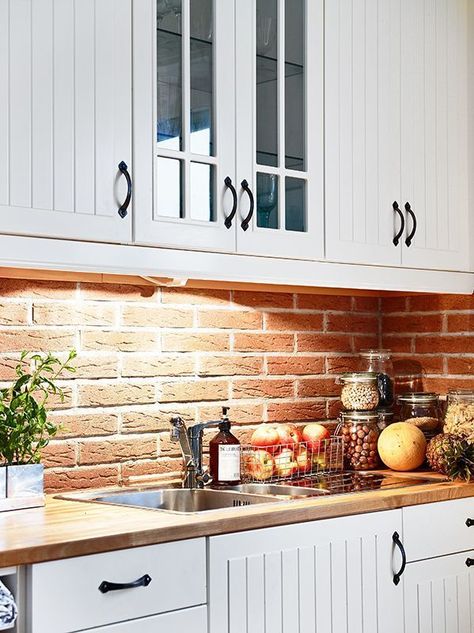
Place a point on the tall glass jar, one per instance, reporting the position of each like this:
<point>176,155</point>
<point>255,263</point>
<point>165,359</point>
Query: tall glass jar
<point>359,391</point>
<point>380,362</point>
<point>459,417</point>
<point>360,433</point>
<point>422,410</point>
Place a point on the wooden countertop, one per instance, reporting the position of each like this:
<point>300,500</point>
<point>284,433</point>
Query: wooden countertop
<point>73,528</point>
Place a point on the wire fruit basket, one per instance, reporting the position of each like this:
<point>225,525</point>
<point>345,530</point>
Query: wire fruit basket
<point>279,462</point>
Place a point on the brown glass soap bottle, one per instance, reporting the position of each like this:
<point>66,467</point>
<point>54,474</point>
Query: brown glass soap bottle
<point>224,454</point>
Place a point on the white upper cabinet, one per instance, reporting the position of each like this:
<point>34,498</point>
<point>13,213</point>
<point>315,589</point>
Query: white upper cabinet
<point>65,118</point>
<point>184,124</point>
<point>396,133</point>
<point>363,118</point>
<point>279,96</point>
<point>435,134</point>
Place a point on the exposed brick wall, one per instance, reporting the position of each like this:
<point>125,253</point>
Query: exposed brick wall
<point>433,341</point>
<point>145,354</point>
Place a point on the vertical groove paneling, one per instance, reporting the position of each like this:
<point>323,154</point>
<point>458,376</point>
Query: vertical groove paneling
<point>372,216</point>
<point>443,224</point>
<point>339,586</point>
<point>20,103</point>
<point>84,94</point>
<point>42,104</point>
<point>355,616</point>
<point>324,588</point>
<point>64,137</point>
<point>368,581</point>
<point>255,594</point>
<point>4,101</point>
<point>237,579</point>
<point>428,213</point>
<point>359,79</point>
<point>290,586</point>
<point>307,589</point>
<point>273,595</point>
<point>346,149</point>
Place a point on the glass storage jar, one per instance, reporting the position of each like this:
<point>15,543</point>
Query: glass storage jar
<point>380,362</point>
<point>385,418</point>
<point>459,417</point>
<point>360,433</point>
<point>359,391</point>
<point>422,410</point>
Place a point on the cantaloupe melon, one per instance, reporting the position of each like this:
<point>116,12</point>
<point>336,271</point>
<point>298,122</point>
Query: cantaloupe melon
<point>402,446</point>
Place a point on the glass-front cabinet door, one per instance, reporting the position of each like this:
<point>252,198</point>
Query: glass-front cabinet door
<point>184,123</point>
<point>279,96</point>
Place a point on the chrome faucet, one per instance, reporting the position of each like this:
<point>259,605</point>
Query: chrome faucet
<point>190,440</point>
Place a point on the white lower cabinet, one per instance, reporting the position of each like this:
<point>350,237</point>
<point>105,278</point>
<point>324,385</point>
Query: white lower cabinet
<point>332,575</point>
<point>439,595</point>
<point>184,621</point>
<point>85,592</point>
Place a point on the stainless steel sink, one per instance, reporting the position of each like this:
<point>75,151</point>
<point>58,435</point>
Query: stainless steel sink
<point>279,490</point>
<point>177,500</point>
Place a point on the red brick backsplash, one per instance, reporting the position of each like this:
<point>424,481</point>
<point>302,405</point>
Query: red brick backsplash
<point>145,354</point>
<point>433,340</point>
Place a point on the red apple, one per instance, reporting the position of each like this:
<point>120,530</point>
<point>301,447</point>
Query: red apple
<point>303,456</point>
<point>285,463</point>
<point>265,436</point>
<point>315,435</point>
<point>259,464</point>
<point>289,435</point>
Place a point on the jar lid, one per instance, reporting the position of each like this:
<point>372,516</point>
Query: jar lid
<point>359,376</point>
<point>385,413</point>
<point>461,394</point>
<point>362,416</point>
<point>375,353</point>
<point>419,397</point>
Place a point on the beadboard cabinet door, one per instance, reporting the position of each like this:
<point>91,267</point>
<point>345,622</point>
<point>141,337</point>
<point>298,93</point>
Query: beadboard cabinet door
<point>435,177</point>
<point>363,131</point>
<point>439,595</point>
<point>65,118</point>
<point>333,575</point>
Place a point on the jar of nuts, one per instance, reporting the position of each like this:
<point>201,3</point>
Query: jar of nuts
<point>360,434</point>
<point>359,391</point>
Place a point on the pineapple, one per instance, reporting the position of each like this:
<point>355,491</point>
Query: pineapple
<point>451,455</point>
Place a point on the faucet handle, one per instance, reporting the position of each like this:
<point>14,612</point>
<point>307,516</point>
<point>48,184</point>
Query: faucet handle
<point>176,425</point>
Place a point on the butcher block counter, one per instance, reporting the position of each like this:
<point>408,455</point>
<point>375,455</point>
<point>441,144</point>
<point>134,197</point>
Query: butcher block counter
<point>65,528</point>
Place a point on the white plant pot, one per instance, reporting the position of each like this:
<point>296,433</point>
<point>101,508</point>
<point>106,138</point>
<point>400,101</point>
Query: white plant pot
<point>24,487</point>
<point>3,482</point>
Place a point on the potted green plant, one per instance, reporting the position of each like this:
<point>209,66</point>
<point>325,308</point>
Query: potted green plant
<point>25,428</point>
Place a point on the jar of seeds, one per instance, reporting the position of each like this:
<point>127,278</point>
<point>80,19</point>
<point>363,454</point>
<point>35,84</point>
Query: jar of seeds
<point>359,391</point>
<point>360,434</point>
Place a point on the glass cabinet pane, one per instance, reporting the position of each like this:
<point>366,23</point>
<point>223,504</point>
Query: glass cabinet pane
<point>267,82</point>
<point>267,201</point>
<point>202,77</point>
<point>295,205</point>
<point>169,198</point>
<point>294,85</point>
<point>169,74</point>
<point>201,192</point>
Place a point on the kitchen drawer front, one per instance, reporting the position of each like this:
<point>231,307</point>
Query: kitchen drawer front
<point>437,529</point>
<point>65,594</point>
<point>185,621</point>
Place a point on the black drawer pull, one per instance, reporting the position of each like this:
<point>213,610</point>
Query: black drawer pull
<point>396,208</point>
<point>230,217</point>
<point>469,522</point>
<point>106,586</point>
<point>123,209</point>
<point>246,221</point>
<point>469,562</point>
<point>410,237</point>
<point>399,544</point>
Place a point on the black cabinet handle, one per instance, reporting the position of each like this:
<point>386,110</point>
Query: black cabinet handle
<point>106,586</point>
<point>410,237</point>
<point>124,170</point>
<point>469,522</point>
<point>230,217</point>
<point>399,544</point>
<point>469,562</point>
<point>246,221</point>
<point>396,208</point>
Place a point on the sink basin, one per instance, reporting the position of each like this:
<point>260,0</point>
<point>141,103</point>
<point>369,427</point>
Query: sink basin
<point>179,500</point>
<point>279,490</point>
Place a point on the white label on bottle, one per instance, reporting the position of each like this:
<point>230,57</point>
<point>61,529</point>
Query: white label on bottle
<point>229,462</point>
